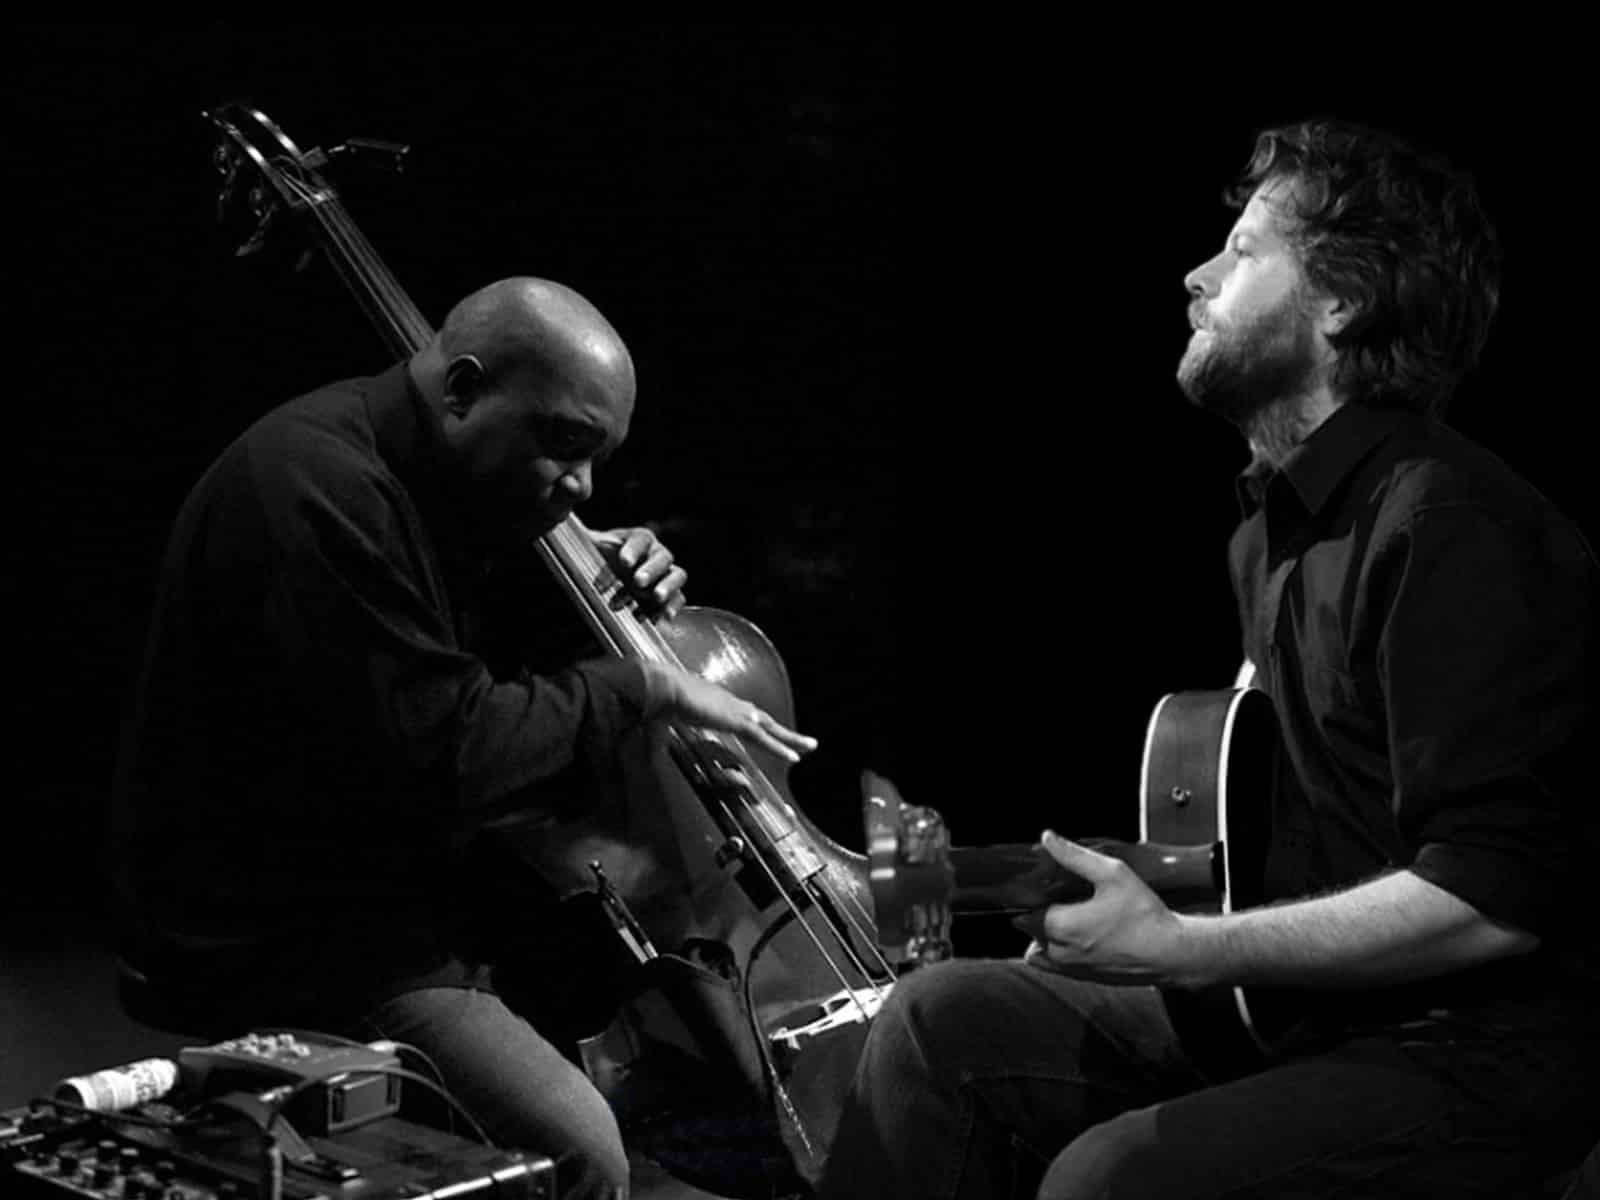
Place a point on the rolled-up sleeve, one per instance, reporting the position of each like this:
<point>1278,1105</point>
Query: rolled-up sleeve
<point>1486,663</point>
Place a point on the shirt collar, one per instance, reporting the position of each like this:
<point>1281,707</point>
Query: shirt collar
<point>1316,467</point>
<point>410,440</point>
<point>410,437</point>
<point>407,431</point>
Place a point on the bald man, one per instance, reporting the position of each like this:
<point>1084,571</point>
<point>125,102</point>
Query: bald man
<point>330,705</point>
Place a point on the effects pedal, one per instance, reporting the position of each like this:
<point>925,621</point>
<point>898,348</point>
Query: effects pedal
<point>155,1152</point>
<point>343,1085</point>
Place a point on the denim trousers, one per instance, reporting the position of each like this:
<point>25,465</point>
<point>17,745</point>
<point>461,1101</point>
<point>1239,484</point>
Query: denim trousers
<point>996,1078</point>
<point>525,1093</point>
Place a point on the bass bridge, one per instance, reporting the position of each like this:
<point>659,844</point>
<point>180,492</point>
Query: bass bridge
<point>767,860</point>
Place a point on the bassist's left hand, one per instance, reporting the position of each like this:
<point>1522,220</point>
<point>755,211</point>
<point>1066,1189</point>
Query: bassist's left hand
<point>646,568</point>
<point>1123,934</point>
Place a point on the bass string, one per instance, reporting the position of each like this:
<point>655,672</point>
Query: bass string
<point>766,806</point>
<point>822,950</point>
<point>577,556</point>
<point>757,796</point>
<point>365,271</point>
<point>819,883</point>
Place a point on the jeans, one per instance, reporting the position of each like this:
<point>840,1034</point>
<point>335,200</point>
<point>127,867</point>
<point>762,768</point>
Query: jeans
<point>1000,1079</point>
<point>524,1091</point>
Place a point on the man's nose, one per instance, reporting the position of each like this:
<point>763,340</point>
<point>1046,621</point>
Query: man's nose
<point>578,482</point>
<point>1201,282</point>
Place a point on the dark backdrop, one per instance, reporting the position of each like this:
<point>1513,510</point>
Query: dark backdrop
<point>905,308</point>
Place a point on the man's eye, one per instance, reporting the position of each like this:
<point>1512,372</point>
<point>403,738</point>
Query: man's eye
<point>561,441</point>
<point>566,448</point>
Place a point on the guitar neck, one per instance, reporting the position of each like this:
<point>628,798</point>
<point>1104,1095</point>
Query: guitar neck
<point>1018,878</point>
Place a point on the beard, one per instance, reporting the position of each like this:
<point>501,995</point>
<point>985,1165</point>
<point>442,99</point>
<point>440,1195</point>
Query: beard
<point>1239,370</point>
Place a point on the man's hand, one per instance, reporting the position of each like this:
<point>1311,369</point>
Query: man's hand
<point>675,692</point>
<point>646,568</point>
<point>1123,934</point>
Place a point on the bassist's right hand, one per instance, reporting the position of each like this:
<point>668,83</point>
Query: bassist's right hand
<point>676,694</point>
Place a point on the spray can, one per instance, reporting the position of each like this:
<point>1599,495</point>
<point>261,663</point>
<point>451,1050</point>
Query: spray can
<point>121,1087</point>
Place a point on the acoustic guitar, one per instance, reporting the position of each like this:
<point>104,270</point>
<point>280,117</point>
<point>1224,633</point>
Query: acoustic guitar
<point>1204,786</point>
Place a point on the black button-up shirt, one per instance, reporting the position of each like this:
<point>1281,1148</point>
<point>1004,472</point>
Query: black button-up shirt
<point>1425,623</point>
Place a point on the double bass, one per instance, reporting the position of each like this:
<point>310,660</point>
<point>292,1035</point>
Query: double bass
<point>758,962</point>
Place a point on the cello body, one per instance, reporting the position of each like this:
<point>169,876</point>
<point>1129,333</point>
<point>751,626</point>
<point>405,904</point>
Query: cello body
<point>721,1061</point>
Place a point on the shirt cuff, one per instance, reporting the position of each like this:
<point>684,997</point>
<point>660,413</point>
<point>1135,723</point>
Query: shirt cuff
<point>1500,884</point>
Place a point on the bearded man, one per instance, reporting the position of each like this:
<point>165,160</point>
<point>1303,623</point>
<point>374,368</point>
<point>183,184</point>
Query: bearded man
<point>1424,624</point>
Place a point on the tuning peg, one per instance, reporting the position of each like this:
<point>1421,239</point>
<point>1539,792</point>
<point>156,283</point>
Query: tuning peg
<point>228,167</point>
<point>258,237</point>
<point>390,155</point>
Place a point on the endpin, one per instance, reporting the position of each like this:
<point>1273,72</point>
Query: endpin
<point>622,920</point>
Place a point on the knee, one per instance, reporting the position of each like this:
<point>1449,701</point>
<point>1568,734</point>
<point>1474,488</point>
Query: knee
<point>583,1138</point>
<point>1106,1162</point>
<point>587,1143</point>
<point>927,1028</point>
<point>941,1002</point>
<point>612,1163</point>
<point>517,1085</point>
<point>598,1168</point>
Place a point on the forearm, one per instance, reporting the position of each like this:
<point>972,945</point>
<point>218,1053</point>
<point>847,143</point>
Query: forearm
<point>1393,929</point>
<point>386,670</point>
<point>506,736</point>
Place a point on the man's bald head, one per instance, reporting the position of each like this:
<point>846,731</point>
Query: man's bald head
<point>522,323</point>
<point>533,388</point>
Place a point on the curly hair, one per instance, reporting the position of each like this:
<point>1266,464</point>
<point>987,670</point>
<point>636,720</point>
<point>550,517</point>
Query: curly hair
<point>1398,233</point>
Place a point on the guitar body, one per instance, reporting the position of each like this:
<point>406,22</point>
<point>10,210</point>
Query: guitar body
<point>1206,778</point>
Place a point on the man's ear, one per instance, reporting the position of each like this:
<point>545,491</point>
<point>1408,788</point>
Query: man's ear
<point>1335,314</point>
<point>462,379</point>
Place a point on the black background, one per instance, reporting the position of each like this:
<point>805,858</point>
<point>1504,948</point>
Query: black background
<point>905,308</point>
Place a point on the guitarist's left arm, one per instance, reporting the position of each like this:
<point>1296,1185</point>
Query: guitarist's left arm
<point>1395,928</point>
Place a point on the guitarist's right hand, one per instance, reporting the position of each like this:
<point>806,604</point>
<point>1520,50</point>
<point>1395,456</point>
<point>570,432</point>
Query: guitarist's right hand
<point>676,694</point>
